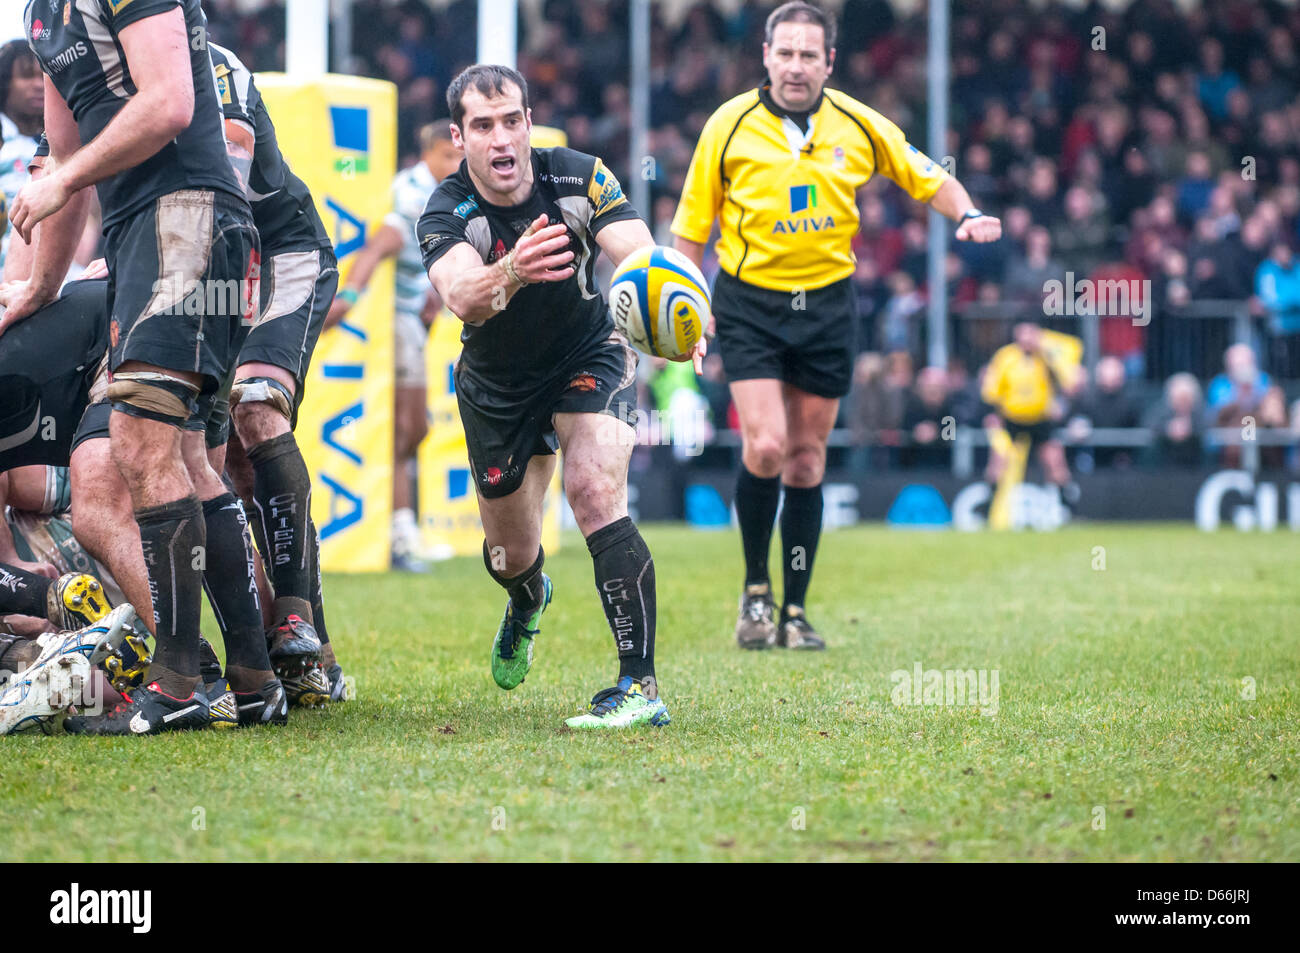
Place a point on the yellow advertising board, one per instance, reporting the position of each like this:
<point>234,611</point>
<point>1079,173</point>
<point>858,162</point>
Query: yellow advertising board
<point>339,135</point>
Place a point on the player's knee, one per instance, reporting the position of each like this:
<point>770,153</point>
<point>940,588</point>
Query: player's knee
<point>765,454</point>
<point>806,466</point>
<point>262,409</point>
<point>596,498</point>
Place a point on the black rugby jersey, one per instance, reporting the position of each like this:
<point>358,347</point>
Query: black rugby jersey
<point>545,323</point>
<point>44,389</point>
<point>77,46</point>
<point>283,210</point>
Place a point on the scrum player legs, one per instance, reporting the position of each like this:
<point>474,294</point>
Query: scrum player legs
<point>182,256</point>
<point>509,241</point>
<point>300,276</point>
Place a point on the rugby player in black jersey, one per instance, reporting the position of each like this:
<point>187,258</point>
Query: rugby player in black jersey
<point>510,242</point>
<point>299,278</point>
<point>131,107</point>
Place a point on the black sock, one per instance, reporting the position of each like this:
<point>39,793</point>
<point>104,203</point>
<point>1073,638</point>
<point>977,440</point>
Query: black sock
<point>756,502</point>
<point>174,539</point>
<point>231,585</point>
<point>23,592</point>
<point>526,589</point>
<point>282,492</point>
<point>625,580</point>
<point>801,528</point>
<point>317,590</point>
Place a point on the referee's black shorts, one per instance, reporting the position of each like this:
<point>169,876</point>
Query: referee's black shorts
<point>1039,432</point>
<point>807,339</point>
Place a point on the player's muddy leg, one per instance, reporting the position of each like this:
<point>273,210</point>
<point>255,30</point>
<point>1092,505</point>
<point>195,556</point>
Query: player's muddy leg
<point>281,484</point>
<point>240,473</point>
<point>597,448</point>
<point>512,553</point>
<point>228,571</point>
<point>103,522</point>
<point>173,534</point>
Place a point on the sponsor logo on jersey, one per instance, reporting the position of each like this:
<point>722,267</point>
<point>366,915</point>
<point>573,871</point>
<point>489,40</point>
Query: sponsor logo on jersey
<point>604,192</point>
<point>498,252</point>
<point>920,159</point>
<point>465,208</point>
<point>803,198</point>
<point>562,179</point>
<point>583,382</point>
<point>838,156</point>
<point>67,57</point>
<point>39,31</point>
<point>67,13</point>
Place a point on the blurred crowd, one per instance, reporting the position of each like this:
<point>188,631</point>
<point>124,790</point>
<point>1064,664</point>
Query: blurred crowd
<point>1147,144</point>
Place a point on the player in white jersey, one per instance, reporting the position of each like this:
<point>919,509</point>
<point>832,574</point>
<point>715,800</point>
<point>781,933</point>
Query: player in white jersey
<point>22,117</point>
<point>439,158</point>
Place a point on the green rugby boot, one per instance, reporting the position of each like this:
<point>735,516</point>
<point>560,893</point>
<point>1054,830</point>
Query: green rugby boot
<point>626,705</point>
<point>512,649</point>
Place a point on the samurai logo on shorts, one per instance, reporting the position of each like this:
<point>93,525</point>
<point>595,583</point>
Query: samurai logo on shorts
<point>493,476</point>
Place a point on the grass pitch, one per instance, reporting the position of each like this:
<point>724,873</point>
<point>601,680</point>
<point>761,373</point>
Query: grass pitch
<point>1146,710</point>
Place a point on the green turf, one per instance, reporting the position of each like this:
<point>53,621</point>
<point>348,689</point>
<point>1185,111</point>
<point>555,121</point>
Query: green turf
<point>1120,690</point>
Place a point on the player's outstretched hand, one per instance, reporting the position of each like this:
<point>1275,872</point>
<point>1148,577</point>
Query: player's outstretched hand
<point>701,349</point>
<point>21,299</point>
<point>37,200</point>
<point>542,253</point>
<point>986,228</point>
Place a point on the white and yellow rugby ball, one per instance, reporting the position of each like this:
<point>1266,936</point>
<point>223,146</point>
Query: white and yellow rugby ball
<point>660,302</point>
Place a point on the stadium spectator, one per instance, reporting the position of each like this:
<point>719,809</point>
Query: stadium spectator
<point>1108,403</point>
<point>928,421</point>
<point>1238,390</point>
<point>1178,423</point>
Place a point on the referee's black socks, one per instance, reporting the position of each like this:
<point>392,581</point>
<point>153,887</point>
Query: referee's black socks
<point>625,580</point>
<point>756,503</point>
<point>801,528</point>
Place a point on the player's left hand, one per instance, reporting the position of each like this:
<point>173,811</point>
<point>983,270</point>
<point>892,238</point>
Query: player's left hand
<point>36,201</point>
<point>696,357</point>
<point>96,269</point>
<point>986,228</point>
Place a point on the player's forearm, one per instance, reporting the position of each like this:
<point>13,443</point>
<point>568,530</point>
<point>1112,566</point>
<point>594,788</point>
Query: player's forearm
<point>139,131</point>
<point>480,293</point>
<point>692,250</point>
<point>952,201</point>
<point>55,243</point>
<point>364,265</point>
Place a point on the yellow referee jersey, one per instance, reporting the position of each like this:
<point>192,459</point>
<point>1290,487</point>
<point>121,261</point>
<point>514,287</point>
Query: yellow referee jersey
<point>786,196</point>
<point>1018,385</point>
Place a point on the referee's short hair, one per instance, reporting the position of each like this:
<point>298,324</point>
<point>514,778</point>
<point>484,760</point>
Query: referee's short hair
<point>489,80</point>
<point>433,133</point>
<point>798,11</point>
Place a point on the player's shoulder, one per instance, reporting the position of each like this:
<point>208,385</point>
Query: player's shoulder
<point>222,57</point>
<point>855,109</point>
<point>566,171</point>
<point>455,195</point>
<point>1003,354</point>
<point>729,114</point>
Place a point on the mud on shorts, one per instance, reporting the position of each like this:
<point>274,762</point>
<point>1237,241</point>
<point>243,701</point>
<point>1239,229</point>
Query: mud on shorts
<point>506,429</point>
<point>184,277</point>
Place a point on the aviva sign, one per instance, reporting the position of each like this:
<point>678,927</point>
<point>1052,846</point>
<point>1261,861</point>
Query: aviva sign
<point>339,134</point>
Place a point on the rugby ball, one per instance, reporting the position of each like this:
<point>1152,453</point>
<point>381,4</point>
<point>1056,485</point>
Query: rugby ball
<point>659,301</point>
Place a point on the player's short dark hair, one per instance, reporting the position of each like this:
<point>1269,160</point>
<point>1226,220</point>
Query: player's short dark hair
<point>798,11</point>
<point>12,55</point>
<point>433,133</point>
<point>489,80</point>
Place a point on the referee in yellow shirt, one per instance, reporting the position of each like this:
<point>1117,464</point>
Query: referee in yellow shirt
<point>780,166</point>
